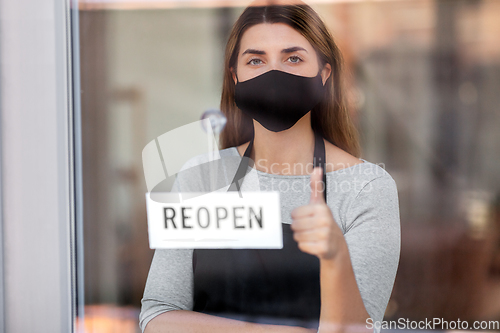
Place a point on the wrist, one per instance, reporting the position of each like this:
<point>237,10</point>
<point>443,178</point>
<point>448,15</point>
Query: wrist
<point>341,257</point>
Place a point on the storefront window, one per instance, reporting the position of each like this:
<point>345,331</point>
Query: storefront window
<point>423,85</point>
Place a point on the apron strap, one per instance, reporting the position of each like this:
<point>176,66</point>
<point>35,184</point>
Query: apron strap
<point>242,169</point>
<point>320,157</point>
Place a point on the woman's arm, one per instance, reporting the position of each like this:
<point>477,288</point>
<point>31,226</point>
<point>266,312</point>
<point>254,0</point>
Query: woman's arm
<point>358,268</point>
<point>341,302</point>
<point>373,236</point>
<point>317,233</point>
<point>194,322</point>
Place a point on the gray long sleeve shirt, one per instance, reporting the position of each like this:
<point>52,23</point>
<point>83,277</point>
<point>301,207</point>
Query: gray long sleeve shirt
<point>364,202</point>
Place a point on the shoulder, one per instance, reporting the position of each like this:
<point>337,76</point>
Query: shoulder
<point>195,175</point>
<point>338,159</point>
<point>340,162</point>
<point>375,195</point>
<point>374,201</point>
<point>359,186</point>
<point>207,157</point>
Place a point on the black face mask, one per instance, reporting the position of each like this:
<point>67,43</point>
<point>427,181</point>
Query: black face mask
<point>277,99</point>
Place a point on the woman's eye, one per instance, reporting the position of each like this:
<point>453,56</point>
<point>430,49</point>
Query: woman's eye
<point>295,59</point>
<point>252,61</point>
<point>257,61</point>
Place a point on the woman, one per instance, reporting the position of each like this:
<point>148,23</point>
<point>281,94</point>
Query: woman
<point>283,98</point>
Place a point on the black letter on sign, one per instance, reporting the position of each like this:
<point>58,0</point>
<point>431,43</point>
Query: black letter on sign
<point>171,218</point>
<point>218,216</point>
<point>257,218</point>
<point>184,217</point>
<point>237,217</point>
<point>208,217</point>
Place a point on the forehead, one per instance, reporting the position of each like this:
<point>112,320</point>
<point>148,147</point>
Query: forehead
<point>272,36</point>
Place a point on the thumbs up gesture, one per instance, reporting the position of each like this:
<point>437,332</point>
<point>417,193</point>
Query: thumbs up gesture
<point>313,225</point>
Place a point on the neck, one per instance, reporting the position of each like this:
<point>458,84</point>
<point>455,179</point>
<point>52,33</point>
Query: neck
<point>286,152</point>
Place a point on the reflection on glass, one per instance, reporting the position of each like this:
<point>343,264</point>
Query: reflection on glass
<point>423,91</point>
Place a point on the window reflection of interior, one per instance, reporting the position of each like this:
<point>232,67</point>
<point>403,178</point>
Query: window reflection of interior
<point>424,93</point>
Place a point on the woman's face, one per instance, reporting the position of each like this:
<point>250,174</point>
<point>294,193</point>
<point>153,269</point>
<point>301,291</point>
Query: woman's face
<point>268,46</point>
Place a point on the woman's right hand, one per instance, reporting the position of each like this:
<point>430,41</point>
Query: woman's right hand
<point>315,229</point>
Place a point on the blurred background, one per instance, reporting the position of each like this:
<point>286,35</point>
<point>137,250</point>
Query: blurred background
<point>424,87</point>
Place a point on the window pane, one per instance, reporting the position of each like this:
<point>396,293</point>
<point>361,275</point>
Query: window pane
<point>423,91</point>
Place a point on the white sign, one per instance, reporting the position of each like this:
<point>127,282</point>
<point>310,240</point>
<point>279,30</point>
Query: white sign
<point>214,220</point>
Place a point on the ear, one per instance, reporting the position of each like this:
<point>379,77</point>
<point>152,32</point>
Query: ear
<point>326,72</point>
<point>233,74</point>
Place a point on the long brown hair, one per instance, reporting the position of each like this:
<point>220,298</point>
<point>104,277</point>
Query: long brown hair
<point>330,117</point>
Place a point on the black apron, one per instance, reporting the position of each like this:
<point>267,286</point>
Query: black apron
<point>277,283</point>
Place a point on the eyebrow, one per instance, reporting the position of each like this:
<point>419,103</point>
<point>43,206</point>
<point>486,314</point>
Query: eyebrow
<point>287,50</point>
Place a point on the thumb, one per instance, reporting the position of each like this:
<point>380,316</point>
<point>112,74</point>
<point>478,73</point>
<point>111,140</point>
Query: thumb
<point>317,186</point>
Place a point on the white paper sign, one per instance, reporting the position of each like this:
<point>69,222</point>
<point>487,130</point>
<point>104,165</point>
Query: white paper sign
<point>214,220</point>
